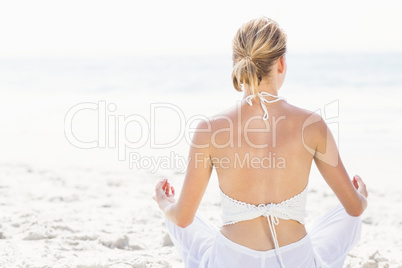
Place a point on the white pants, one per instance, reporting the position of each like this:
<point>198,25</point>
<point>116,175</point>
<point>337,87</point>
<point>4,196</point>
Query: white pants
<point>327,244</point>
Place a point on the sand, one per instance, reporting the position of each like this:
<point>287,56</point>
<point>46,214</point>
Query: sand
<point>83,217</point>
<point>63,206</point>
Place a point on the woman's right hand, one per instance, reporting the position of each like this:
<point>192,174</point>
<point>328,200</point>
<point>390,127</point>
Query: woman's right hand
<point>164,194</point>
<point>360,185</point>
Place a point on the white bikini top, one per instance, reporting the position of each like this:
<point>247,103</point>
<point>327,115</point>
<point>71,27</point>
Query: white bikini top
<point>293,208</point>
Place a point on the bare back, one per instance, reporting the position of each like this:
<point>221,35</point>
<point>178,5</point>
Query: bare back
<point>261,162</point>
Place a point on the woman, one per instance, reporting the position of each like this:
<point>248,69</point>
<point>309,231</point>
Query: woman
<point>263,205</point>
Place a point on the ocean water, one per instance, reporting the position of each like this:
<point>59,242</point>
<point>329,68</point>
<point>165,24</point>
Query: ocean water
<point>358,94</point>
<point>194,73</point>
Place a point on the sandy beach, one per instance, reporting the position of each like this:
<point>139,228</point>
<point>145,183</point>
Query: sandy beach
<point>66,206</point>
<point>93,218</point>
<point>99,101</point>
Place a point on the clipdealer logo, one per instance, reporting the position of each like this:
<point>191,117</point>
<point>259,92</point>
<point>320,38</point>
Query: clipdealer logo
<point>112,128</point>
<point>112,133</point>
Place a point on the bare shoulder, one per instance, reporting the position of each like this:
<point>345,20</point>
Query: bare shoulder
<point>311,125</point>
<point>203,130</point>
<point>307,118</point>
<point>301,112</point>
<point>223,118</point>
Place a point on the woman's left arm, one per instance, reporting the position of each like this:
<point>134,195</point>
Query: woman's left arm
<point>198,173</point>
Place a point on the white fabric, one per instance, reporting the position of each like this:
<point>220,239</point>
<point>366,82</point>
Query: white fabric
<point>263,100</point>
<point>327,244</point>
<point>293,208</point>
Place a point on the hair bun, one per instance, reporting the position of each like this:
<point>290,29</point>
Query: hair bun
<point>266,42</point>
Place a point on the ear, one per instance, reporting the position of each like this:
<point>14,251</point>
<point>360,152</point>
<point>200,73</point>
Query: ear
<point>281,64</point>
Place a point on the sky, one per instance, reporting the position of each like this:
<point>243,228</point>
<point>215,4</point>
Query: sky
<point>110,28</point>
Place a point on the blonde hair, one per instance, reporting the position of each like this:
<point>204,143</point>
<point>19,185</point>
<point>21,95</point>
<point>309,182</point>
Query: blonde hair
<point>256,47</point>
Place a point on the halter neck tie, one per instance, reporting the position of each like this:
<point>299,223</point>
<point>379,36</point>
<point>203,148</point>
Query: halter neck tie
<point>261,95</point>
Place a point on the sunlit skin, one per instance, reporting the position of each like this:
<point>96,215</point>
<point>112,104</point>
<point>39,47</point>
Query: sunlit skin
<point>263,185</point>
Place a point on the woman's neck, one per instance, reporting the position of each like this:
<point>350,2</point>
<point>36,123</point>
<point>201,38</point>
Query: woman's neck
<point>265,85</point>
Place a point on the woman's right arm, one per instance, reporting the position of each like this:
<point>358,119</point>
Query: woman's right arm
<point>351,194</point>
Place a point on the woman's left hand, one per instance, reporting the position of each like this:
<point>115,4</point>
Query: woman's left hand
<point>164,194</point>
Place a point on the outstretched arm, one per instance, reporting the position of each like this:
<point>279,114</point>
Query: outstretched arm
<point>199,171</point>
